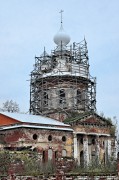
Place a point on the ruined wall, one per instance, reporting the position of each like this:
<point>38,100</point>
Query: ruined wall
<point>52,143</point>
<point>88,128</point>
<point>58,116</point>
<point>99,144</point>
<point>57,101</point>
<point>97,147</point>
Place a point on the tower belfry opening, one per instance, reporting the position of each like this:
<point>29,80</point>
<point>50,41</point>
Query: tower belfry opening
<point>61,82</point>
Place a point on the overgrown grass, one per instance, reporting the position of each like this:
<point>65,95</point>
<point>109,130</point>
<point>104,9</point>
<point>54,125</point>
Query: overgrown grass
<point>24,163</point>
<point>95,168</point>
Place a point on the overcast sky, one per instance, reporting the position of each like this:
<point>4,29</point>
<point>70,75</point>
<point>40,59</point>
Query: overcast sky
<point>26,26</point>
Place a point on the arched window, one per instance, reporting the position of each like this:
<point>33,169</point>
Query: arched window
<point>62,98</point>
<point>78,96</point>
<point>63,138</point>
<point>64,153</point>
<point>35,136</point>
<point>45,96</point>
<point>49,138</point>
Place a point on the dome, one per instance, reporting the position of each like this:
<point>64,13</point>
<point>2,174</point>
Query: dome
<point>61,36</point>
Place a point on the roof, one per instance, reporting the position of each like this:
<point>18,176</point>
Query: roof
<point>5,120</point>
<point>83,116</point>
<point>16,126</point>
<point>64,73</point>
<point>37,119</point>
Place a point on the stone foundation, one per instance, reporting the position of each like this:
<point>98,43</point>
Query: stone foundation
<point>65,177</point>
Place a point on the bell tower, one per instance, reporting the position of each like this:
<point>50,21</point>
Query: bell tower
<point>61,84</point>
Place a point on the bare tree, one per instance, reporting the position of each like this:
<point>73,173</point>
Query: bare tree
<point>10,106</point>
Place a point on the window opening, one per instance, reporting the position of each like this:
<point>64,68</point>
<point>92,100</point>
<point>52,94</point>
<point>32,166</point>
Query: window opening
<point>45,95</point>
<point>78,96</point>
<point>43,156</point>
<point>62,96</point>
<point>35,136</point>
<point>49,138</point>
<point>63,138</point>
<point>93,141</point>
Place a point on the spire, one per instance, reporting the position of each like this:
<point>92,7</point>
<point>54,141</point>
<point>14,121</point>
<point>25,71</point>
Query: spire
<point>44,56</point>
<point>61,16</point>
<point>85,40</point>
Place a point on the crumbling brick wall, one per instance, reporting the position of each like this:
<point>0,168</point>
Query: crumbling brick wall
<point>41,140</point>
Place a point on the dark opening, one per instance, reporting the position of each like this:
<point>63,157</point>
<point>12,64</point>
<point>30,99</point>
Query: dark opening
<point>56,154</point>
<point>81,140</point>
<point>43,157</point>
<point>49,138</point>
<point>62,96</point>
<point>63,138</point>
<point>81,159</point>
<point>78,96</point>
<point>93,141</point>
<point>45,95</point>
<point>35,136</point>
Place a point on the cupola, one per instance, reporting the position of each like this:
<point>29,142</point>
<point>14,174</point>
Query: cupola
<point>61,38</point>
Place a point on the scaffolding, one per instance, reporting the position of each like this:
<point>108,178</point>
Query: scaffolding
<point>61,82</point>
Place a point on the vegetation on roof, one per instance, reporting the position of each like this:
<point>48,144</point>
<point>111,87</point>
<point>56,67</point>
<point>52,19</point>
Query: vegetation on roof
<point>75,116</point>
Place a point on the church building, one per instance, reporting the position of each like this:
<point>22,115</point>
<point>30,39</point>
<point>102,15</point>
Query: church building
<point>63,121</point>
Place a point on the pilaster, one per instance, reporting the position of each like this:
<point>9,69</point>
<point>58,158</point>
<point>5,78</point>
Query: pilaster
<point>97,149</point>
<point>75,147</point>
